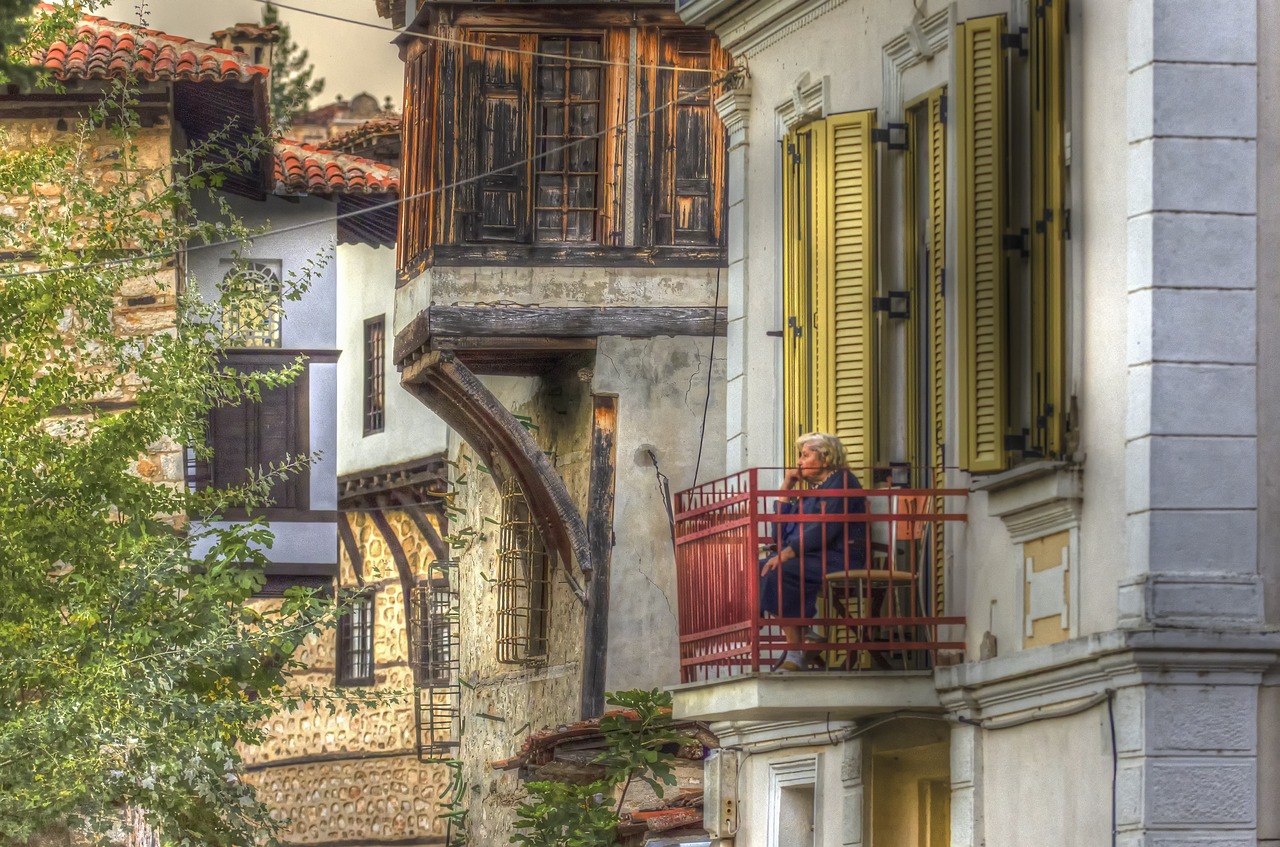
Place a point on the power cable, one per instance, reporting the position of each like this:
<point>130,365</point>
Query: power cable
<point>711,362</point>
<point>446,40</point>
<point>623,127</point>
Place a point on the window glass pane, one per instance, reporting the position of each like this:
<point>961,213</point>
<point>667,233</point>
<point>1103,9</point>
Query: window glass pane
<point>569,115</point>
<point>252,307</point>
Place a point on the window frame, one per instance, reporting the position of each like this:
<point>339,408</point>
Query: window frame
<point>374,408</point>
<point>346,635</point>
<point>272,338</point>
<point>297,400</point>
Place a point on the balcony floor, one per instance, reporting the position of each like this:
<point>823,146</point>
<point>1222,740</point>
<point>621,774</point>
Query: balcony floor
<point>802,695</point>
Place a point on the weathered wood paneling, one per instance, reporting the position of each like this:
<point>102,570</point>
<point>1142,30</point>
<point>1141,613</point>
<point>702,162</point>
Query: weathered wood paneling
<point>575,321</point>
<point>481,117</point>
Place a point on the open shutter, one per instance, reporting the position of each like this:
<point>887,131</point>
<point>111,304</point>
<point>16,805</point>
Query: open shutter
<point>1048,237</point>
<point>797,288</point>
<point>981,133</point>
<point>503,89</point>
<point>936,276</point>
<point>844,367</point>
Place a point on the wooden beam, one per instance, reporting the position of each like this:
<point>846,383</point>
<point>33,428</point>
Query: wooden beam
<point>454,393</point>
<point>575,321</point>
<point>446,255</point>
<point>604,460</point>
<point>353,549</point>
<point>419,517</point>
<point>528,343</point>
<point>402,561</point>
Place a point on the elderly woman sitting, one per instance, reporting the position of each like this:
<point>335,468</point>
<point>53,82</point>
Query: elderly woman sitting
<point>792,578</point>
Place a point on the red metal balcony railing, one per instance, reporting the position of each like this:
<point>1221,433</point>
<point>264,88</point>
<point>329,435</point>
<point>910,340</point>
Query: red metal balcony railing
<point>870,594</point>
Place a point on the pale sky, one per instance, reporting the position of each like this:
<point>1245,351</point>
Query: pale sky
<point>351,58</point>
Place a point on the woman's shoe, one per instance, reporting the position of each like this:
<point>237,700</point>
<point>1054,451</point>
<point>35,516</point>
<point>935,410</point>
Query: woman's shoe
<point>814,659</point>
<point>788,666</point>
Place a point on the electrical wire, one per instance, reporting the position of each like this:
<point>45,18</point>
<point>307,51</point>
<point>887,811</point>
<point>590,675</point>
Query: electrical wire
<point>622,128</point>
<point>446,40</point>
<point>711,363</point>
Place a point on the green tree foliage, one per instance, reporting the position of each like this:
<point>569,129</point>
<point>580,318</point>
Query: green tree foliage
<point>20,30</point>
<point>129,671</point>
<point>292,86</point>
<point>640,744</point>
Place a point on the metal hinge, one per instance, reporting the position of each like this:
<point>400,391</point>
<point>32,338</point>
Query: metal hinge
<point>1015,41</point>
<point>1017,242</point>
<point>942,109</point>
<point>794,326</point>
<point>897,304</point>
<point>885,135</point>
<point>1066,224</point>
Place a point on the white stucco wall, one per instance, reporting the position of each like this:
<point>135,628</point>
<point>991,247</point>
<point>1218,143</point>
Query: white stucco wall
<point>366,289</point>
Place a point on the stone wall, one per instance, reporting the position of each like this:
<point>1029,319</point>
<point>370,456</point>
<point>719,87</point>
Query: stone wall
<point>145,305</point>
<point>502,704</point>
<point>356,778</point>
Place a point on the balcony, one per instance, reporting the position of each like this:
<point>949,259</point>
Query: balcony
<point>872,606</point>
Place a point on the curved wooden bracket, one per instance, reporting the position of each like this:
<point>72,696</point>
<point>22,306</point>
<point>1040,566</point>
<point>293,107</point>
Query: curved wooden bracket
<point>452,391</point>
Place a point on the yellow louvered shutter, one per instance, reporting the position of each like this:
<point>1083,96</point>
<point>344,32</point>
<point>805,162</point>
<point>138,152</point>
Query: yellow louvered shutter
<point>845,339</point>
<point>937,240</point>
<point>1049,232</point>
<point>981,120</point>
<point>797,289</point>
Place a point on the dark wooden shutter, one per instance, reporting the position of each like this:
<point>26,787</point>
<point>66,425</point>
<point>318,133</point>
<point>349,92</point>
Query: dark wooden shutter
<point>269,432</point>
<point>501,83</point>
<point>690,145</point>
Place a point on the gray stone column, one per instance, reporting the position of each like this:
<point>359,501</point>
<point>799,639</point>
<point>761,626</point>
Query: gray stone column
<point>1191,454</point>
<point>734,108</point>
<point>1187,747</point>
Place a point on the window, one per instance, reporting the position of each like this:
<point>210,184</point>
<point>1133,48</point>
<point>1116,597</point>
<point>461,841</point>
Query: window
<point>434,652</point>
<point>523,583</point>
<point>829,282</point>
<point>253,307</point>
<point>251,437</point>
<point>547,146</point>
<point>568,115</point>
<point>355,641</point>
<point>375,342</point>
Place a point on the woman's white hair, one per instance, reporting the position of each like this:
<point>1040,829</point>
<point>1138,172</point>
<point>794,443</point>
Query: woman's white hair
<point>825,445</point>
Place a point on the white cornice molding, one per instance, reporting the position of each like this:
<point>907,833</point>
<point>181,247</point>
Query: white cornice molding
<point>923,39</point>
<point>734,108</point>
<point>1035,500</point>
<point>746,28</point>
<point>809,100</point>
<point>1073,670</point>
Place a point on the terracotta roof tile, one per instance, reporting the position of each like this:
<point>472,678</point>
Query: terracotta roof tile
<point>367,131</point>
<point>103,49</point>
<point>307,169</point>
<point>269,33</point>
<point>661,820</point>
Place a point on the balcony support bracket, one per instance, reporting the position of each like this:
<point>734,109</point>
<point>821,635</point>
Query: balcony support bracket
<point>452,391</point>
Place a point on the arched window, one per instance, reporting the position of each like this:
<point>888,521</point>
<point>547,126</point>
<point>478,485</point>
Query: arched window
<point>252,306</point>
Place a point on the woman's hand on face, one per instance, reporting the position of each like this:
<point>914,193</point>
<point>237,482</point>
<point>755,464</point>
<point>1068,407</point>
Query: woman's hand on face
<point>770,565</point>
<point>792,478</point>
